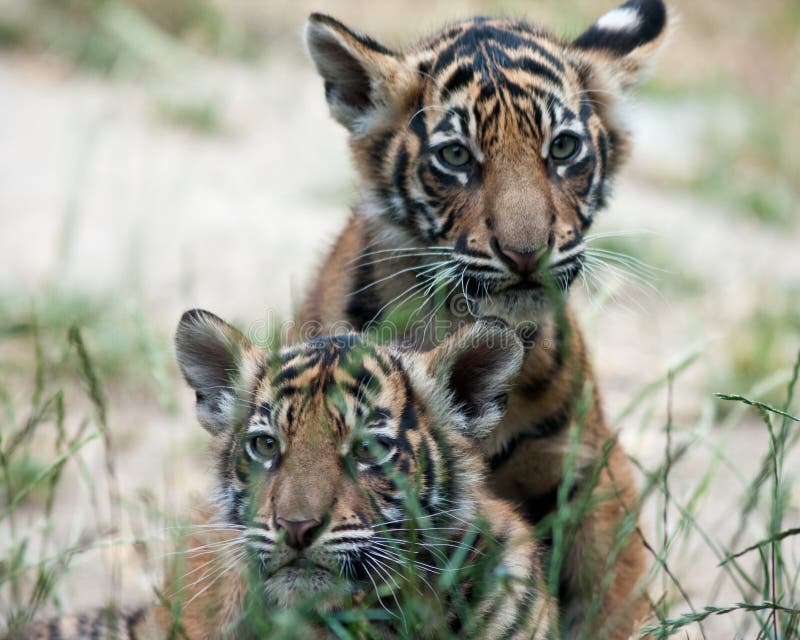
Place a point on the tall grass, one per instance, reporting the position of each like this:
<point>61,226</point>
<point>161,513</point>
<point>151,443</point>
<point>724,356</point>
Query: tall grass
<point>63,366</point>
<point>756,558</point>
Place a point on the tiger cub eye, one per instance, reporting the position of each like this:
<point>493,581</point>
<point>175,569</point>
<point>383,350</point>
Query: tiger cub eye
<point>564,146</point>
<point>264,446</point>
<point>362,450</point>
<point>455,155</point>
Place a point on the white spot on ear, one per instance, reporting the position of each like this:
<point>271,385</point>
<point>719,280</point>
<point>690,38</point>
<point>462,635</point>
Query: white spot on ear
<point>622,19</point>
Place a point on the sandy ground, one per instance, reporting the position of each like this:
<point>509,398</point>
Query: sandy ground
<point>100,195</point>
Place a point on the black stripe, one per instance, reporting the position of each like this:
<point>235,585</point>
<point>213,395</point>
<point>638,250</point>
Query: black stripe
<point>417,123</point>
<point>571,244</point>
<point>602,144</point>
<point>363,306</point>
<point>54,629</point>
<point>236,506</point>
<point>360,37</point>
<point>531,43</point>
<point>362,541</point>
<point>429,471</point>
<point>347,527</point>
<point>446,57</point>
<point>378,146</point>
<point>457,80</point>
<point>134,619</point>
<point>285,375</point>
<point>487,92</point>
<point>523,116</point>
<point>242,467</point>
<point>539,385</point>
<point>460,246</point>
<point>524,608</point>
<point>579,167</point>
<point>476,269</point>
<point>544,428</point>
<point>399,178</point>
<point>463,116</point>
<point>536,68</point>
<point>586,110</point>
<point>384,366</point>
<point>537,508</point>
<point>420,210</point>
<point>652,16</point>
<point>265,408</point>
<point>444,125</point>
<point>445,178</point>
<point>449,220</point>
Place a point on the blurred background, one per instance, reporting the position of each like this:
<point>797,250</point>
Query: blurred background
<point>157,155</point>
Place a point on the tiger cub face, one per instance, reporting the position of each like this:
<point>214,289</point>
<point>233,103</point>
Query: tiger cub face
<point>492,138</point>
<point>323,449</point>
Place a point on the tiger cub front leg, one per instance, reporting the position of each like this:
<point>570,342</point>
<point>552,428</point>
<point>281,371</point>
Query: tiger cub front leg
<point>555,458</point>
<point>604,561</point>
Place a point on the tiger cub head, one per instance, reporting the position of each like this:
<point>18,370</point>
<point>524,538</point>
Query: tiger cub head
<point>492,138</point>
<point>324,449</point>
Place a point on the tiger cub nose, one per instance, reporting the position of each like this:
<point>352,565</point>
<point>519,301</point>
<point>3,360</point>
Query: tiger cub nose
<point>299,533</point>
<point>522,262</point>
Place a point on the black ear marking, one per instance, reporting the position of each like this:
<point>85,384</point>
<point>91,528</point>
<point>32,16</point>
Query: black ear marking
<point>365,40</point>
<point>620,31</point>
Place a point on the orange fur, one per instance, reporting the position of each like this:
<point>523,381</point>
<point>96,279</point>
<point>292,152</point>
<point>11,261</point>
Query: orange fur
<point>504,230</point>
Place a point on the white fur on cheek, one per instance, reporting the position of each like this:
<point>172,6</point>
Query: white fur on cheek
<point>622,19</point>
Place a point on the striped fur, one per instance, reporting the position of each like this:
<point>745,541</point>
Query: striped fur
<point>498,235</point>
<point>100,624</point>
<point>417,495</point>
<point>321,403</point>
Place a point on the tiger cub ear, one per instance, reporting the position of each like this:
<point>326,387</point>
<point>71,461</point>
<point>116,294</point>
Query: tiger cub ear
<point>362,77</point>
<point>476,366</point>
<point>220,364</point>
<point>623,41</point>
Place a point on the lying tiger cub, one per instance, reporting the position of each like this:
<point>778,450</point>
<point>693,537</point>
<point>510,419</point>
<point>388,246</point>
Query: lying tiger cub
<point>345,469</point>
<point>343,465</point>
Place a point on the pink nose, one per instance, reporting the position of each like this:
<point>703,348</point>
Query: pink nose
<point>299,533</point>
<point>522,262</point>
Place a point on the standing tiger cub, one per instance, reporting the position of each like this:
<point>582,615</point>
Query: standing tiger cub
<point>483,154</point>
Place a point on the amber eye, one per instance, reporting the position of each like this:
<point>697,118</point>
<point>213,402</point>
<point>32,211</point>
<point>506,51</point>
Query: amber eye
<point>455,155</point>
<point>564,146</point>
<point>264,446</point>
<point>362,450</point>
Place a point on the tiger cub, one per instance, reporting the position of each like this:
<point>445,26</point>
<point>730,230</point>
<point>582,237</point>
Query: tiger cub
<point>346,477</point>
<point>341,464</point>
<point>483,154</point>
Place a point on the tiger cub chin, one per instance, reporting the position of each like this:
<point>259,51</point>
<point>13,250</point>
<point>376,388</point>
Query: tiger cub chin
<point>483,154</point>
